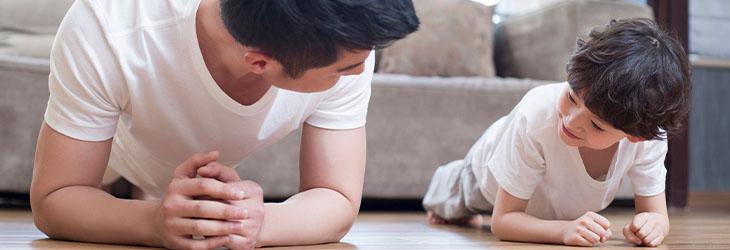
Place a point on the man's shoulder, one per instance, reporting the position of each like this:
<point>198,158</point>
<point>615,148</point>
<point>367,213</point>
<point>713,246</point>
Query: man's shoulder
<point>126,16</point>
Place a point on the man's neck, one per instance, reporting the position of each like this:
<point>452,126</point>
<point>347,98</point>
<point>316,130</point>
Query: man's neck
<point>222,55</point>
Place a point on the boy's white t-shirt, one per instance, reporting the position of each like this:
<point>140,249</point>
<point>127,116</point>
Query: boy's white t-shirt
<point>523,154</point>
<point>133,70</point>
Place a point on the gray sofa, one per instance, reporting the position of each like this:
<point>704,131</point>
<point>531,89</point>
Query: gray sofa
<point>415,122</point>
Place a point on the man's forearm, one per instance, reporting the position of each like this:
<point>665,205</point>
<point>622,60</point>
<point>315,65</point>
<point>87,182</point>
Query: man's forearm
<point>88,214</point>
<point>519,226</point>
<point>311,217</point>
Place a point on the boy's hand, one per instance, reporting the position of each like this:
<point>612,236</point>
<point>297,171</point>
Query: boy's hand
<point>253,203</point>
<point>179,215</point>
<point>647,228</point>
<point>587,230</point>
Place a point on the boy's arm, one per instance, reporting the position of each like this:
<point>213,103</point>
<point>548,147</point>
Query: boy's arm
<point>650,225</point>
<point>332,169</point>
<point>68,204</point>
<point>510,222</point>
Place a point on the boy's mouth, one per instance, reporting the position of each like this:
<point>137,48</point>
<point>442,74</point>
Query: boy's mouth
<point>567,132</point>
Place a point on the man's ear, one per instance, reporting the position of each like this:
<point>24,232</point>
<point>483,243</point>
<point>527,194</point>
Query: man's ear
<point>635,139</point>
<point>258,62</point>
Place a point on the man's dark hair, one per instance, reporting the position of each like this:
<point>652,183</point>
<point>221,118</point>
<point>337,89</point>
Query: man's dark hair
<point>634,76</point>
<point>306,34</point>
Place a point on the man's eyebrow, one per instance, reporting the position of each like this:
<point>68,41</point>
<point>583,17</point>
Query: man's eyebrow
<point>350,67</point>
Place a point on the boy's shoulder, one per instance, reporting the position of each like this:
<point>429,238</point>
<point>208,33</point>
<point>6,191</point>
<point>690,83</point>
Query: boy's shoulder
<point>540,103</point>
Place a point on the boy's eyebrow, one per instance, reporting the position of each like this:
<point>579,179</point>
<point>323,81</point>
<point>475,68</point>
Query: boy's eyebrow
<point>350,67</point>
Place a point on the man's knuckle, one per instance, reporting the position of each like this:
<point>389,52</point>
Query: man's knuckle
<point>196,228</point>
<point>198,208</point>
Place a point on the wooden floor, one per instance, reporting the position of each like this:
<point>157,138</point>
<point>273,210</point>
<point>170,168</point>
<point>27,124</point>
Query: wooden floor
<point>699,227</point>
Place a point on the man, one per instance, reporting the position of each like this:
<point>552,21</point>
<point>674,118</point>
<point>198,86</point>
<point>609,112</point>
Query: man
<point>142,85</point>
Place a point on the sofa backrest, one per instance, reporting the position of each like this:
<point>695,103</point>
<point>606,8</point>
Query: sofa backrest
<point>538,44</point>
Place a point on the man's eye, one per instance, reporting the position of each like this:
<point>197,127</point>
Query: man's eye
<point>570,97</point>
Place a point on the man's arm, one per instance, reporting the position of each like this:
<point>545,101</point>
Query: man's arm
<point>650,225</point>
<point>68,204</point>
<point>510,222</point>
<point>332,169</point>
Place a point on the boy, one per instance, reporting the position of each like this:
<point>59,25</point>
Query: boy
<point>138,86</point>
<point>560,155</point>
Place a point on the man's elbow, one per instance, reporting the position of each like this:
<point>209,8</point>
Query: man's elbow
<point>40,221</point>
<point>344,226</point>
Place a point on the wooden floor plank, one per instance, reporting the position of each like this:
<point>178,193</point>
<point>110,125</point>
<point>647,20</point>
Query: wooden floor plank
<point>706,228</point>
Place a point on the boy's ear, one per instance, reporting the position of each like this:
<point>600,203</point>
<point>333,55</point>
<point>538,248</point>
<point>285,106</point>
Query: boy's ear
<point>635,139</point>
<point>257,62</point>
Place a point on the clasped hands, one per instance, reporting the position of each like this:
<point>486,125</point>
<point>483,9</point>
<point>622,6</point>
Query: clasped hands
<point>207,206</point>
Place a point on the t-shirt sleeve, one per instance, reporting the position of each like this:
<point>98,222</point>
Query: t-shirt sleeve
<point>648,174</point>
<point>517,164</point>
<point>86,92</point>
<point>346,105</point>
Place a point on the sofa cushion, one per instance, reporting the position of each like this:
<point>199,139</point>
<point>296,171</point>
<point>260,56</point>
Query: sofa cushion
<point>33,16</point>
<point>455,44</point>
<point>538,44</point>
<point>20,44</point>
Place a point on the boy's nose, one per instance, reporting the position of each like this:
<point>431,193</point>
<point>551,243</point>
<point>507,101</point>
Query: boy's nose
<point>571,122</point>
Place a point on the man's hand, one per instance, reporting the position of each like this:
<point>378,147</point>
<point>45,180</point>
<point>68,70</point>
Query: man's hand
<point>180,216</point>
<point>252,203</point>
<point>647,228</point>
<point>587,230</point>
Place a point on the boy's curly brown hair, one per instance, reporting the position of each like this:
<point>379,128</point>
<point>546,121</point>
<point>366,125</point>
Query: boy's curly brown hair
<point>633,75</point>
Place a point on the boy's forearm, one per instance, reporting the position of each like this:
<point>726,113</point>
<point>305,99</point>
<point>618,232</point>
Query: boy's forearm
<point>519,226</point>
<point>311,217</point>
<point>83,213</point>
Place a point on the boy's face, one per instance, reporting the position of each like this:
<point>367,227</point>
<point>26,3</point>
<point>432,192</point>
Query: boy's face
<point>579,127</point>
<point>321,79</point>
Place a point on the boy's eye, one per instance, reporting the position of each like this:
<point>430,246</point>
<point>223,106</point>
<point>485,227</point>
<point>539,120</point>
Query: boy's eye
<point>596,126</point>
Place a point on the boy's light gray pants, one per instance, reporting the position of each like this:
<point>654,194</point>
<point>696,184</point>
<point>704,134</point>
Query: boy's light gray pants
<point>454,192</point>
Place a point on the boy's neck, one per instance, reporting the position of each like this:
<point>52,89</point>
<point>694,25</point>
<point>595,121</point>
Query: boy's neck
<point>597,162</point>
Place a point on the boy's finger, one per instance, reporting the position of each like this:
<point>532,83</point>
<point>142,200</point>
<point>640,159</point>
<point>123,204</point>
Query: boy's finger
<point>589,235</point>
<point>645,229</point>
<point>598,230</point>
<point>605,223</point>
<point>630,237</point>
<point>653,234</point>
<point>657,241</point>
<point>638,222</point>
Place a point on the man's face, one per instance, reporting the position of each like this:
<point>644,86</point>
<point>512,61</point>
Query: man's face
<point>321,79</point>
<point>579,127</point>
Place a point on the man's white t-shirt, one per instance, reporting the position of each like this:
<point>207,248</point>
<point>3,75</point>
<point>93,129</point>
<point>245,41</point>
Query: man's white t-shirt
<point>523,154</point>
<point>133,70</point>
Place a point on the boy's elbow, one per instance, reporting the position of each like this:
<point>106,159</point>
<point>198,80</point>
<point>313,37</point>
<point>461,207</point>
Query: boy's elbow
<point>499,228</point>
